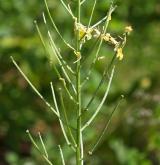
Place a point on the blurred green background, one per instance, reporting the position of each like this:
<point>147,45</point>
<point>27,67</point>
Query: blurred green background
<point>133,137</point>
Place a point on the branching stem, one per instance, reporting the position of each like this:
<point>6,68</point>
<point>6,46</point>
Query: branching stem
<point>60,121</point>
<point>102,102</point>
<point>100,43</point>
<point>34,88</point>
<point>55,27</point>
<point>79,141</point>
<point>36,146</point>
<point>57,54</point>
<point>105,72</point>
<point>105,127</point>
<point>66,119</point>
<point>61,153</point>
<point>54,67</point>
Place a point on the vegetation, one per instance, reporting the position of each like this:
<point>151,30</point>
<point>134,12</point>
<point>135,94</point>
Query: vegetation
<point>132,137</point>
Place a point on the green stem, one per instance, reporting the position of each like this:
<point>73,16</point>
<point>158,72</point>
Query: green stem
<point>55,27</point>
<point>105,72</point>
<point>61,153</point>
<point>34,88</point>
<point>60,121</point>
<point>54,66</point>
<point>79,149</point>
<point>101,103</point>
<point>78,155</point>
<point>36,146</point>
<point>111,9</point>
<point>66,119</point>
<point>106,127</point>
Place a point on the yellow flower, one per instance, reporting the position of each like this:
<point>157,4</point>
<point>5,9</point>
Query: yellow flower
<point>128,29</point>
<point>119,54</point>
<point>89,33</point>
<point>106,37</point>
<point>113,40</point>
<point>84,32</point>
<point>81,28</point>
<point>145,82</point>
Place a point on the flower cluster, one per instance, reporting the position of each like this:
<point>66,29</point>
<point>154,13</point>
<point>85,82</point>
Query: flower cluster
<point>87,33</point>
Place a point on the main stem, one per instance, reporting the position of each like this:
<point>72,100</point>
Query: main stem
<point>79,149</point>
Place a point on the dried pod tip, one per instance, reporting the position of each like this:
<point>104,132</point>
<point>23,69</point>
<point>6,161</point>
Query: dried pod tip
<point>90,153</point>
<point>128,29</point>
<point>122,96</point>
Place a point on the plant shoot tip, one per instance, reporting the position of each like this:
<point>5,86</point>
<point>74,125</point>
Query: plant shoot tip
<point>122,96</point>
<point>90,153</point>
<point>86,109</point>
<point>35,21</point>
<point>11,58</point>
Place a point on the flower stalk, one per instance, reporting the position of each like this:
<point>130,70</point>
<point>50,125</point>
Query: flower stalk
<point>72,82</point>
<point>79,141</point>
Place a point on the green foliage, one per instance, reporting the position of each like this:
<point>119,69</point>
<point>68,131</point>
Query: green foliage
<point>128,156</point>
<point>137,119</point>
